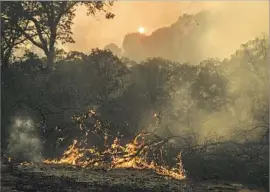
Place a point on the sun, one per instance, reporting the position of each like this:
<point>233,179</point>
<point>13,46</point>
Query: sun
<point>141,30</point>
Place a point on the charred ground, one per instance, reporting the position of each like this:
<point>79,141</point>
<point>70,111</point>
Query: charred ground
<point>44,177</point>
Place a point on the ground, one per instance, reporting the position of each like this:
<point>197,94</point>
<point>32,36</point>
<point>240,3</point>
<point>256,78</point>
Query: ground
<point>43,177</point>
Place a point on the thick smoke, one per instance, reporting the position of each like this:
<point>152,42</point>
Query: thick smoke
<point>24,143</point>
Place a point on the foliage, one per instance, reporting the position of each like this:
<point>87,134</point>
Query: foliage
<point>46,23</point>
<point>10,36</point>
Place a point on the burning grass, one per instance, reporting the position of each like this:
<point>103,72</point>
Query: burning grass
<point>136,154</point>
<point>132,155</point>
<point>139,153</point>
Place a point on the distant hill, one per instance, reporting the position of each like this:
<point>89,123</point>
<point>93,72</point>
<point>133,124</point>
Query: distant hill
<point>179,42</point>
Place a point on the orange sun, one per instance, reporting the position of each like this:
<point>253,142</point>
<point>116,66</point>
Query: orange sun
<point>141,30</point>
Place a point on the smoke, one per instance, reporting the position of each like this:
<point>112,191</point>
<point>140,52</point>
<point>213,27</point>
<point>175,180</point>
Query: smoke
<point>24,143</point>
<point>228,25</point>
<point>246,95</point>
<point>234,23</point>
<point>233,26</point>
<point>231,23</point>
<point>215,32</point>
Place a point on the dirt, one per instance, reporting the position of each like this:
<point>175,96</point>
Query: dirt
<point>60,178</point>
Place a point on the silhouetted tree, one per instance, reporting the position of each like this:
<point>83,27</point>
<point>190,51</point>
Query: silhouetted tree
<point>10,36</point>
<point>50,21</point>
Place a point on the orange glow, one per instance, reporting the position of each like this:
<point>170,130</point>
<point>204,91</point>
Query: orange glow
<point>132,155</point>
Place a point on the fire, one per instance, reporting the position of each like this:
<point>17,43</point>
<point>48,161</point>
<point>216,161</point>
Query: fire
<point>135,154</point>
<point>132,155</point>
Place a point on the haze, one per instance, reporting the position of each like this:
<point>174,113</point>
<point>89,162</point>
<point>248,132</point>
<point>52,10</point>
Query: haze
<point>237,22</point>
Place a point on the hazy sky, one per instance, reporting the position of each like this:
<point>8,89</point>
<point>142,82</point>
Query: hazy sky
<point>239,21</point>
<point>236,23</point>
<point>93,32</point>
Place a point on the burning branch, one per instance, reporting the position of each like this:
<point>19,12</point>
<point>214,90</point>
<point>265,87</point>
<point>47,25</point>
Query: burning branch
<point>132,155</point>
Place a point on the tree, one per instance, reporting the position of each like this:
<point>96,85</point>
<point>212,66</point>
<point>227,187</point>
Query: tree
<point>209,89</point>
<point>254,53</point>
<point>10,37</point>
<point>156,73</point>
<point>50,22</point>
<point>109,72</point>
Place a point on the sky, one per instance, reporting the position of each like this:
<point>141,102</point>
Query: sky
<point>238,22</point>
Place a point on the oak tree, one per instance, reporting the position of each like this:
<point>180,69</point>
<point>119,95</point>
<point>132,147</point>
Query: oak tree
<point>49,22</point>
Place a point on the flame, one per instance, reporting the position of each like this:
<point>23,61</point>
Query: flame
<point>132,155</point>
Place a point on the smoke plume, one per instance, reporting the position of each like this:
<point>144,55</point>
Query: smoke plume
<point>24,143</point>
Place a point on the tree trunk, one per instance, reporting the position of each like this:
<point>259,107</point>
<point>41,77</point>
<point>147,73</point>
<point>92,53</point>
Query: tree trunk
<point>5,57</point>
<point>50,59</point>
<point>4,63</point>
<point>51,52</point>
